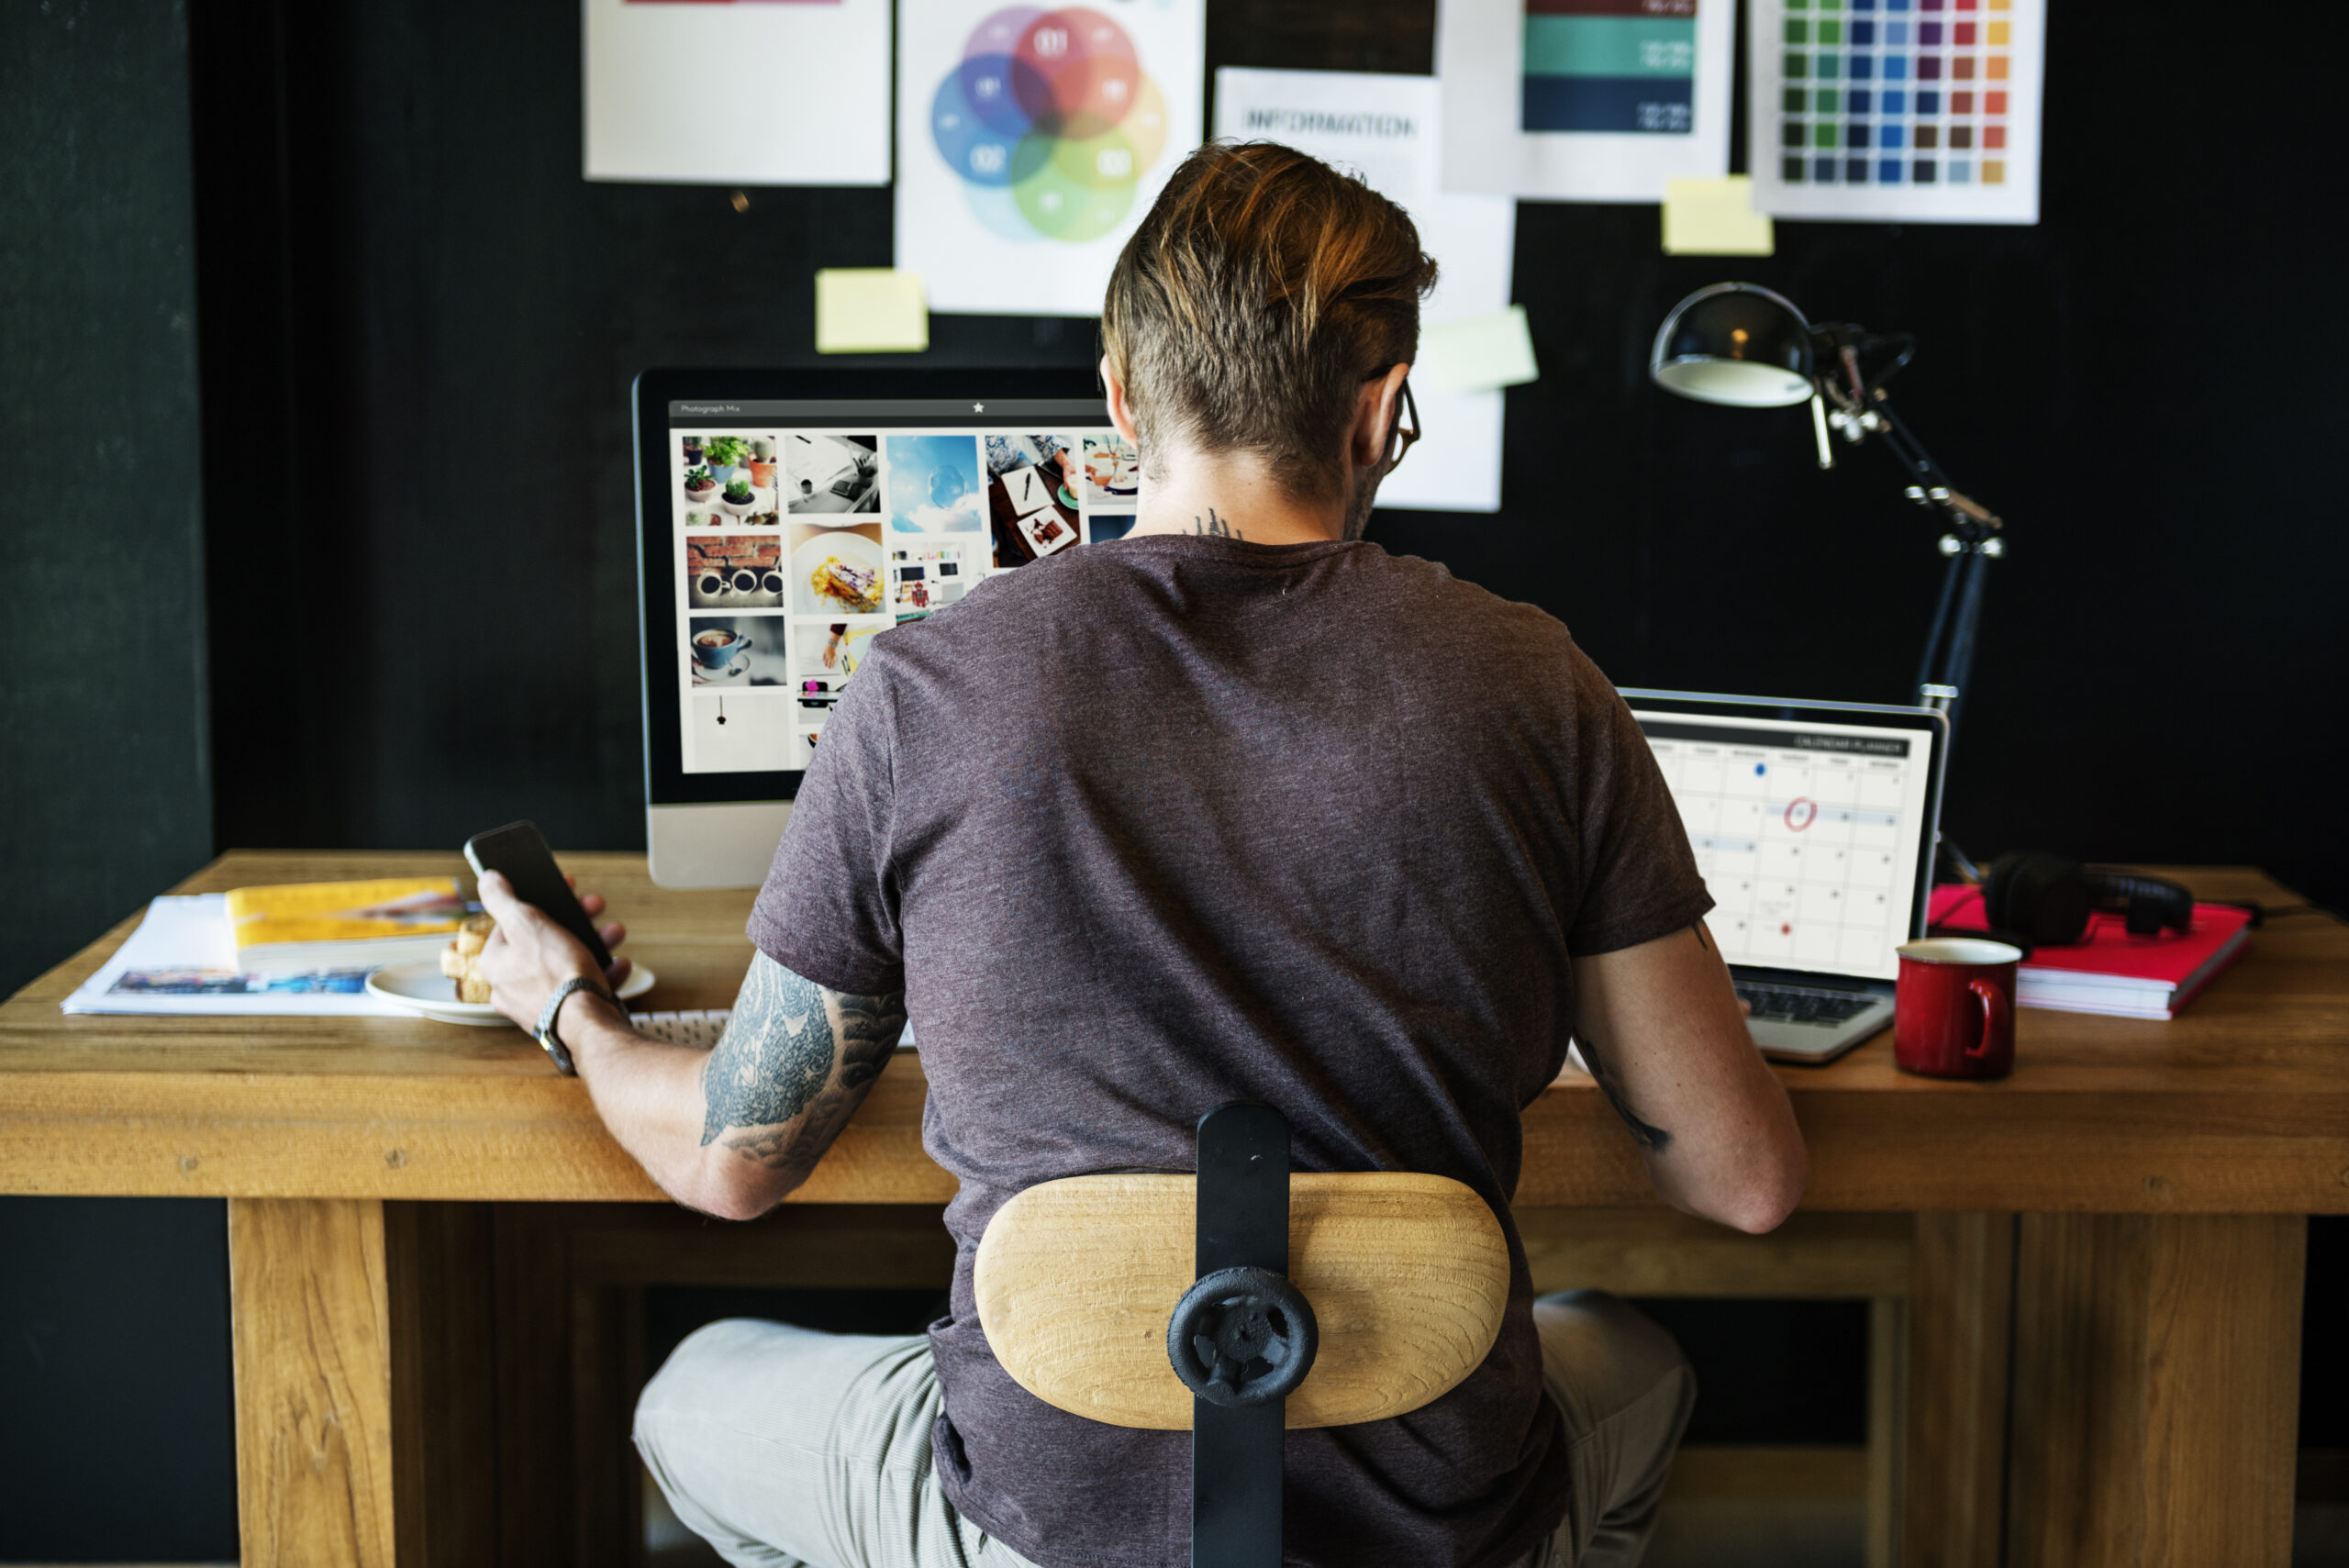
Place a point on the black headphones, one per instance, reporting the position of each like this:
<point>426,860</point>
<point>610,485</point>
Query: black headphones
<point>2047,899</point>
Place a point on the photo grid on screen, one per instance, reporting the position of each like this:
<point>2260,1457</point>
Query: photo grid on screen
<point>796,548</point>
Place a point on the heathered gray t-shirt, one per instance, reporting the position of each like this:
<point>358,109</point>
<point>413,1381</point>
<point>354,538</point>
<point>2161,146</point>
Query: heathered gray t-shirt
<point>1160,823</point>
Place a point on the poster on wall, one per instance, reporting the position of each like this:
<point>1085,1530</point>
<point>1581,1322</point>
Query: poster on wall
<point>1384,129</point>
<point>1583,100</point>
<point>1031,142</point>
<point>712,92</point>
<point>1908,110</point>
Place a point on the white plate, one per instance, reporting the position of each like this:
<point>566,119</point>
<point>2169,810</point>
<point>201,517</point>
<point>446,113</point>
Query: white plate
<point>422,988</point>
<point>853,548</point>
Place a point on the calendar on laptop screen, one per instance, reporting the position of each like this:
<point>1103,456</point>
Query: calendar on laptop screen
<point>1808,834</point>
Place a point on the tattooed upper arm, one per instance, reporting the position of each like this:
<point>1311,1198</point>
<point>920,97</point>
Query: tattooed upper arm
<point>1646,1134</point>
<point>795,1060</point>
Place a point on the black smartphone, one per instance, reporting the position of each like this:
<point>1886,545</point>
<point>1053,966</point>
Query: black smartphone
<point>519,852</point>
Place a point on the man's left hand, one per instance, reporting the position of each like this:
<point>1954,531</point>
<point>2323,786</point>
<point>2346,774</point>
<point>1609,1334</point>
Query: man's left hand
<point>528,955</point>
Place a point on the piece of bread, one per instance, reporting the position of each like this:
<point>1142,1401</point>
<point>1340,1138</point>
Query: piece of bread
<point>461,959</point>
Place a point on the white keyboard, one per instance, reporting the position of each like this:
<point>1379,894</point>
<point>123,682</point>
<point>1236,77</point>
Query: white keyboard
<point>684,1028</point>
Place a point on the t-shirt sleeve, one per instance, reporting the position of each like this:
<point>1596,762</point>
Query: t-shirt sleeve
<point>1638,878</point>
<point>828,910</point>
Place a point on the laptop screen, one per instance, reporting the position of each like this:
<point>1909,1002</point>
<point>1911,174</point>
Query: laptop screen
<point>1810,831</point>
<point>799,530</point>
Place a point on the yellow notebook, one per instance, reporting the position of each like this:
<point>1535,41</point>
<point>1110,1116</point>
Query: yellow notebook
<point>343,924</point>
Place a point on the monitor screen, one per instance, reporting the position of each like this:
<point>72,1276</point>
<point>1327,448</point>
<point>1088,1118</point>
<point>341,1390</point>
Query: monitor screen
<point>1811,824</point>
<point>790,532</point>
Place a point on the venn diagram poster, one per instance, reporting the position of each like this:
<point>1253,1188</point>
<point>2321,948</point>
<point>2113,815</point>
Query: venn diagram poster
<point>1583,100</point>
<point>1912,110</point>
<point>1031,141</point>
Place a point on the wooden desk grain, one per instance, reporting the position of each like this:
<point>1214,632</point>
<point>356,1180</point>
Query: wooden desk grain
<point>2158,1172</point>
<point>2240,1106</point>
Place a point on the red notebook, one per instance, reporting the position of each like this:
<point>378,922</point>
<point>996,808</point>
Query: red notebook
<point>2110,971</point>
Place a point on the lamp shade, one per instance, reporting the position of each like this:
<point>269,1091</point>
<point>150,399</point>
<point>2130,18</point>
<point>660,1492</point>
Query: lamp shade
<point>1734,343</point>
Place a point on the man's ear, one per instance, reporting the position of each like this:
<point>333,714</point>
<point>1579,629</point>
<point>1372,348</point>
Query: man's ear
<point>1121,414</point>
<point>1375,414</point>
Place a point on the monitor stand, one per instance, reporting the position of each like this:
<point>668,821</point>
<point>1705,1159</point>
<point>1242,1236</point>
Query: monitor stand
<point>728,845</point>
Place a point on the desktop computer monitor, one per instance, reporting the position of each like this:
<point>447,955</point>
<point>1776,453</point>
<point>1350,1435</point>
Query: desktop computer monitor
<point>787,518</point>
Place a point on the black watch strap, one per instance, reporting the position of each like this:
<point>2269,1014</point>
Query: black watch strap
<point>551,1043</point>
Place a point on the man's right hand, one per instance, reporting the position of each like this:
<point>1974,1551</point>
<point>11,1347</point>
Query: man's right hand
<point>528,955</point>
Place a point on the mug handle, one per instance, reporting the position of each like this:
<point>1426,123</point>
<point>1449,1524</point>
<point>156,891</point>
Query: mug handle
<point>1998,1015</point>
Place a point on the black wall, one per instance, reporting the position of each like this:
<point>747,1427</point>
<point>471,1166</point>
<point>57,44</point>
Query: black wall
<point>2137,383</point>
<point>114,1368</point>
<point>411,602</point>
<point>107,790</point>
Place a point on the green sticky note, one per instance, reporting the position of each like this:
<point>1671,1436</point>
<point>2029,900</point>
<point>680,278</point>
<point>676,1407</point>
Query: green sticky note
<point>1476,353</point>
<point>870,310</point>
<point>1715,217</point>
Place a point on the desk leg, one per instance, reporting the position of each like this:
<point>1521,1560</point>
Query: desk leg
<point>311,1321</point>
<point>1956,1453</point>
<point>2156,1390</point>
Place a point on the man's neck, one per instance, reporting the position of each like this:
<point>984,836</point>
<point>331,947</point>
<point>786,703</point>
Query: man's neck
<point>1232,498</point>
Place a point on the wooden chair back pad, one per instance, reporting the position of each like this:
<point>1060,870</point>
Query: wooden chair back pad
<point>1408,1276</point>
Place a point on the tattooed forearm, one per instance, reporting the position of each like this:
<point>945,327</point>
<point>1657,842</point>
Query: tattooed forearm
<point>793,1047</point>
<point>1647,1135</point>
<point>1219,526</point>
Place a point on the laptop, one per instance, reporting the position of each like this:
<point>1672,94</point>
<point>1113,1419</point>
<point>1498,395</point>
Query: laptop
<point>1814,825</point>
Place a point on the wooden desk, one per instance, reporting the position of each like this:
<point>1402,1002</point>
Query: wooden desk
<point>2130,1200</point>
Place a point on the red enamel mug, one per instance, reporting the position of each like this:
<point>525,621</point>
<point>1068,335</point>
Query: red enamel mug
<point>1954,1011</point>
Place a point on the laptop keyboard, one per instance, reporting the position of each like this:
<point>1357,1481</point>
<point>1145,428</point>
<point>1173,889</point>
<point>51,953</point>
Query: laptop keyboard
<point>1799,1004</point>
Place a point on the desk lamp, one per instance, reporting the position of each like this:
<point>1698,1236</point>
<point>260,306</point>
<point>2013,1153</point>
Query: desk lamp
<point>1741,346</point>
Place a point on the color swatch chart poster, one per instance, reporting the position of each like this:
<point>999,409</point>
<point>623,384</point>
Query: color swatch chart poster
<point>1924,110</point>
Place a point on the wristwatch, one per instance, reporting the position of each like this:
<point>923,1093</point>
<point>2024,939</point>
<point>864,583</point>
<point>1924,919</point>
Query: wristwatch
<point>551,1041</point>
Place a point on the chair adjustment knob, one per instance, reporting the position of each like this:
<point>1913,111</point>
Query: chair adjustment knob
<point>1242,1338</point>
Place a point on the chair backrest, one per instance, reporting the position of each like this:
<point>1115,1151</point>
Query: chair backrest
<point>1408,1276</point>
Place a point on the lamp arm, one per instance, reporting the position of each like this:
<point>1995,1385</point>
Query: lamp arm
<point>1975,537</point>
<point>1869,412</point>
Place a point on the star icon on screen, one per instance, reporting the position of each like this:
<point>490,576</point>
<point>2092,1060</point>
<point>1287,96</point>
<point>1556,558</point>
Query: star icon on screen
<point>978,407</point>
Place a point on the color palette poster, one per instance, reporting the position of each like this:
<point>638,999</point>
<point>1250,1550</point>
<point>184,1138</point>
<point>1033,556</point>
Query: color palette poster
<point>1610,66</point>
<point>1031,141</point>
<point>1583,100</point>
<point>1914,110</point>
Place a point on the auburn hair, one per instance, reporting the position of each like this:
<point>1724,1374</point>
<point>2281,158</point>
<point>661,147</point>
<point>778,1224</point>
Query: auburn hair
<point>1257,296</point>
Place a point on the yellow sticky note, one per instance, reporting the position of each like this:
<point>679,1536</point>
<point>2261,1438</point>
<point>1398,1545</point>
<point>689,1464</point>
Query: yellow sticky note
<point>1476,353</point>
<point>870,310</point>
<point>1715,217</point>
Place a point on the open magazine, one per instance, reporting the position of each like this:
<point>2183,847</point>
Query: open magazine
<point>182,959</point>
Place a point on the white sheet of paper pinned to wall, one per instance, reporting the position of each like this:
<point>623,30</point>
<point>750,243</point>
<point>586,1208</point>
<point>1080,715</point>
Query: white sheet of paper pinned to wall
<point>1715,218</point>
<point>1385,128</point>
<point>736,95</point>
<point>870,310</point>
<point>1476,353</point>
